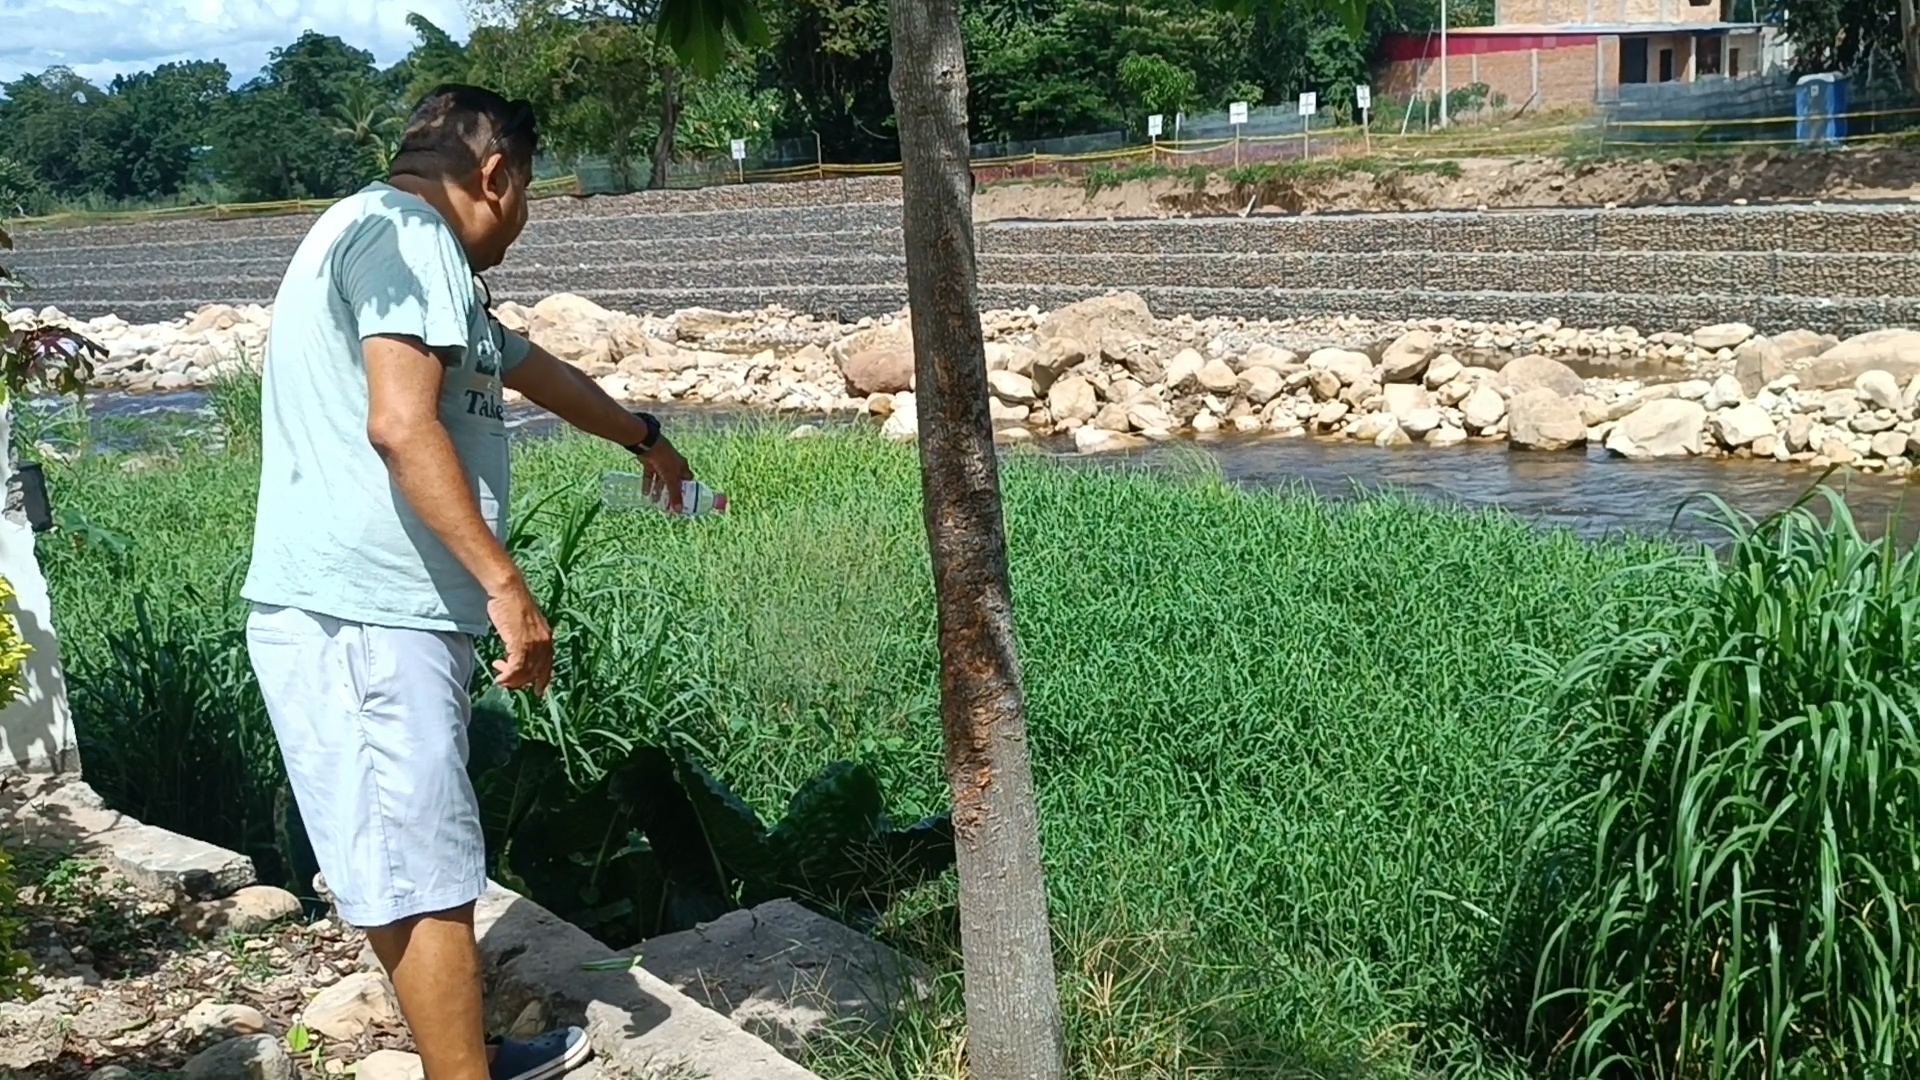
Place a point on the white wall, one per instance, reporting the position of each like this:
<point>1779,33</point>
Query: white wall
<point>36,731</point>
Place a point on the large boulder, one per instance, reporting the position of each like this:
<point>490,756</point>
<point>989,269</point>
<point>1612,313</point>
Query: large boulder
<point>1741,425</point>
<point>1012,387</point>
<point>1727,391</point>
<point>1404,399</point>
<point>886,370</point>
<point>1101,323</point>
<point>1542,419</point>
<point>1218,377</point>
<point>1072,398</point>
<point>1406,359</point>
<point>1345,364</point>
<point>1524,373</point>
<point>694,324</point>
<point>1182,373</point>
<point>572,310</point>
<point>1261,384</point>
<point>1896,352</point>
<point>1802,344</point>
<point>1483,408</point>
<point>1722,336</point>
<point>1878,388</point>
<point>1666,428</point>
<point>1757,362</point>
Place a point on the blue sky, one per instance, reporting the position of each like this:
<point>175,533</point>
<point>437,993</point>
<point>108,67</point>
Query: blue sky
<point>102,38</point>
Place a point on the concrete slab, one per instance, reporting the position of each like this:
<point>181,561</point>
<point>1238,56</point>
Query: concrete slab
<point>639,1025</point>
<point>786,974</point>
<point>69,814</point>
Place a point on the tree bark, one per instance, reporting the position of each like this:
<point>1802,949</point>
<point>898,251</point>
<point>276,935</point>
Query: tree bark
<point>1910,42</point>
<point>1013,1010</point>
<point>669,122</point>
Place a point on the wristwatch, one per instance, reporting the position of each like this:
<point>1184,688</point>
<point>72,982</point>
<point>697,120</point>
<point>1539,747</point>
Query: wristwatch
<point>641,448</point>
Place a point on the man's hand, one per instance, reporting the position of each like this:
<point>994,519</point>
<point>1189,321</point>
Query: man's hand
<point>528,639</point>
<point>662,471</point>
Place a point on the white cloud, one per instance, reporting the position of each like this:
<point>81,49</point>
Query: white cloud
<point>102,38</point>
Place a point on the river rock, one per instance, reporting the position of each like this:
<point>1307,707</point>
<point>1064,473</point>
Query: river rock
<point>1802,344</point>
<point>1145,416</point>
<point>1443,370</point>
<point>1324,385</point>
<point>1110,323</point>
<point>1330,414</point>
<point>1344,364</point>
<point>1889,444</point>
<point>903,424</point>
<point>1406,359</point>
<point>349,1007</point>
<point>1400,399</point>
<point>1012,387</point>
<point>1741,425</point>
<point>1722,336</point>
<point>1419,422</point>
<point>1369,427</point>
<point>1756,363</point>
<point>249,1057</point>
<point>391,1065</point>
<point>1524,373</point>
<point>1181,374</point>
<point>878,371</point>
<point>1878,388</point>
<point>1393,438</point>
<point>1670,427</point>
<point>1483,408</point>
<point>1218,377</point>
<point>1095,440</point>
<point>573,310</point>
<point>1639,398</point>
<point>1260,385</point>
<point>1446,435</point>
<point>1893,351</point>
<point>1543,419</point>
<point>1266,356</point>
<point>248,911</point>
<point>31,1033</point>
<point>1799,435</point>
<point>1072,398</point>
<point>1725,394</point>
<point>1838,405</point>
<point>214,1019</point>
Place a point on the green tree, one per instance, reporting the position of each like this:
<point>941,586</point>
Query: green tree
<point>1844,35</point>
<point>276,135</point>
<point>52,124</point>
<point>435,58</point>
<point>160,121</point>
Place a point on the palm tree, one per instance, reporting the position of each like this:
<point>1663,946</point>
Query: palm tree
<point>369,122</point>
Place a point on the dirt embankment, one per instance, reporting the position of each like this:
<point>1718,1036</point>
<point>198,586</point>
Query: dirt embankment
<point>1494,183</point>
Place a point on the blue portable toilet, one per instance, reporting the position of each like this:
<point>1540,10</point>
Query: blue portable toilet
<point>1820,109</point>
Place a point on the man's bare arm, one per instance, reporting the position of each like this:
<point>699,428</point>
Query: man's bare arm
<point>403,424</point>
<point>568,393</point>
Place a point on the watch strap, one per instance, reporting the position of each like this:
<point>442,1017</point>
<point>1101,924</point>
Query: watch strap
<point>653,434</point>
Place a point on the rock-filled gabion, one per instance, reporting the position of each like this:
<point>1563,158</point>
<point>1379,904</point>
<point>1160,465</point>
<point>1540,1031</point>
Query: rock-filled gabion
<point>1108,374</point>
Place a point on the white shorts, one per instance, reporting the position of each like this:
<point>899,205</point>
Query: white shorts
<point>372,724</point>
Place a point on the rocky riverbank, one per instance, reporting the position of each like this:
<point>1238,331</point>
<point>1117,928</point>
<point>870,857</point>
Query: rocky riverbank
<point>1110,375</point>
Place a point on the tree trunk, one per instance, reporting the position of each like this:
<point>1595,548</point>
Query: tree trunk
<point>669,121</point>
<point>1910,43</point>
<point>1013,1010</point>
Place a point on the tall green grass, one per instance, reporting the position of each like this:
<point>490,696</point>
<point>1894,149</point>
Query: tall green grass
<point>1277,738</point>
<point>1726,866</point>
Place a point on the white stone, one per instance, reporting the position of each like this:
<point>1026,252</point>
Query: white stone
<point>1669,427</point>
<point>249,1057</point>
<point>1542,419</point>
<point>1722,336</point>
<point>1443,370</point>
<point>1260,384</point>
<point>903,424</point>
<point>1407,358</point>
<point>1878,388</point>
<point>1345,364</point>
<point>1483,408</point>
<point>353,1005</point>
<point>213,1019</point>
<point>1072,398</point>
<point>1446,435</point>
<point>391,1065</point>
<point>1725,394</point>
<point>1693,389</point>
<point>1012,387</point>
<point>1218,377</point>
<point>1183,370</point>
<point>1741,425</point>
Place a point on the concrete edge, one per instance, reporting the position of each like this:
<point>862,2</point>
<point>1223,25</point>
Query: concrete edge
<point>636,1022</point>
<point>60,811</point>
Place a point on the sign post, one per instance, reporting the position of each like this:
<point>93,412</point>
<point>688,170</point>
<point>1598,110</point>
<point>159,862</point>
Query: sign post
<point>1363,97</point>
<point>1154,127</point>
<point>740,158</point>
<point>1309,104</point>
<point>1237,116</point>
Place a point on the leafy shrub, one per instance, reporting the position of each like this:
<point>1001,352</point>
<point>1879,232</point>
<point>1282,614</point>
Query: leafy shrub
<point>1724,879</point>
<point>14,964</point>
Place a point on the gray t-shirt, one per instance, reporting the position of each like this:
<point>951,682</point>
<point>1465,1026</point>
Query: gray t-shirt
<point>332,534</point>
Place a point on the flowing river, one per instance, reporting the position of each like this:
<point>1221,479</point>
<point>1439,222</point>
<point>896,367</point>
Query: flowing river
<point>1591,492</point>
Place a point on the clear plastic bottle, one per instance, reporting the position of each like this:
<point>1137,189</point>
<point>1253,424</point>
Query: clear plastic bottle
<point>628,491</point>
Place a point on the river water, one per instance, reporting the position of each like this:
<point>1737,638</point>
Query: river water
<point>1592,493</point>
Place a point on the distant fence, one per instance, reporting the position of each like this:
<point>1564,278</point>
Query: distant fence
<point>1753,113</point>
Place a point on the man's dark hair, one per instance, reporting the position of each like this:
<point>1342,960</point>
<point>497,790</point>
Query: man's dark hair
<point>456,127</point>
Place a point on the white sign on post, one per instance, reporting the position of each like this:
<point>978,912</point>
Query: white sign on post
<point>1154,126</point>
<point>739,149</point>
<point>1363,96</point>
<point>1309,103</point>
<point>1237,113</point>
